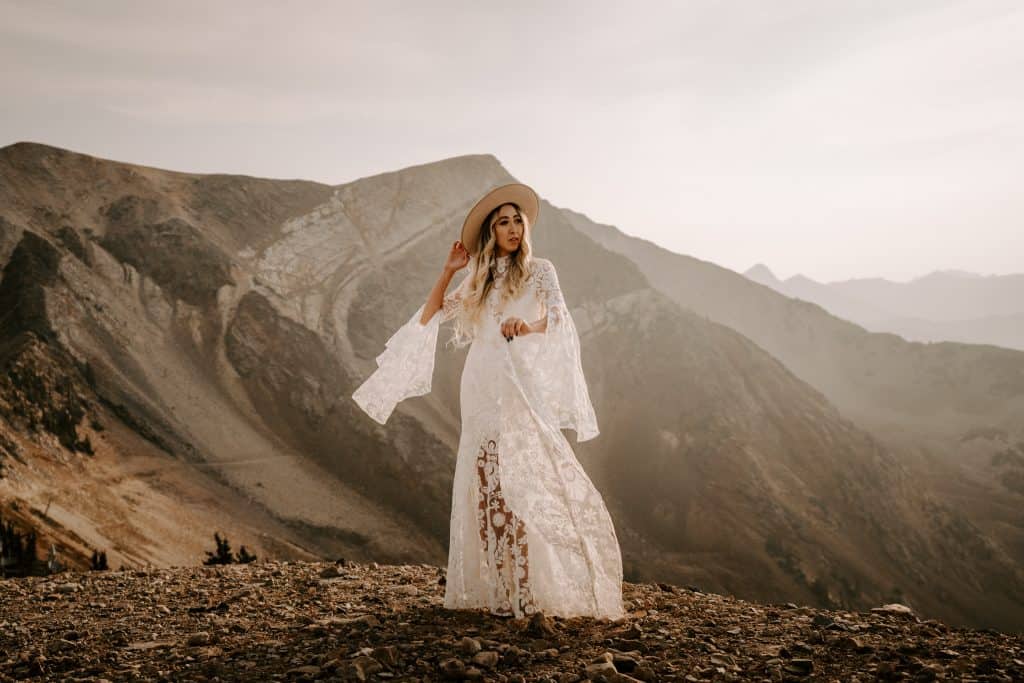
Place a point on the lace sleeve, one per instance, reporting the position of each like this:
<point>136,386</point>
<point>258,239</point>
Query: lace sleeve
<point>404,369</point>
<point>406,366</point>
<point>452,304</point>
<point>558,360</point>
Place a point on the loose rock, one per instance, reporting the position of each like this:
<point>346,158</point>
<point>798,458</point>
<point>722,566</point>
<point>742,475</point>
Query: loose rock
<point>277,621</point>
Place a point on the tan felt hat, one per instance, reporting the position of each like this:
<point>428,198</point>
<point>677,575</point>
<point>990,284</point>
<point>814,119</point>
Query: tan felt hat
<point>520,194</point>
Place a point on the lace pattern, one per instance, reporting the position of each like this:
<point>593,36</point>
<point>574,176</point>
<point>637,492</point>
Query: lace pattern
<point>529,531</point>
<point>503,539</point>
<point>406,367</point>
<point>564,392</point>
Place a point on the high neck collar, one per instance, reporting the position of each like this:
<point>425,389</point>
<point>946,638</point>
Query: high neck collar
<point>501,262</point>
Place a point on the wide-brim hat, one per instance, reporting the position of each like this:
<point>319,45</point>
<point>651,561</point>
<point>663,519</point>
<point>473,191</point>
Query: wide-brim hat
<point>517,193</point>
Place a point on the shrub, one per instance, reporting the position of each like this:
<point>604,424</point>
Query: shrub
<point>244,556</point>
<point>223,553</point>
<point>99,560</point>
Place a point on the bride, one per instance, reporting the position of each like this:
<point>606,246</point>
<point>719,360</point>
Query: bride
<point>529,531</point>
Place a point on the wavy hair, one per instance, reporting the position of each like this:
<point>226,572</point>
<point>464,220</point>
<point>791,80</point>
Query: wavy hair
<point>482,275</point>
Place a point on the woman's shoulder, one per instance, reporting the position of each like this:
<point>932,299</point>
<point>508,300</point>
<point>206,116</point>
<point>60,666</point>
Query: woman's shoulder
<point>540,265</point>
<point>542,276</point>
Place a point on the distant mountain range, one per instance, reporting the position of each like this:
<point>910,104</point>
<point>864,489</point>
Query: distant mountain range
<point>178,353</point>
<point>946,305</point>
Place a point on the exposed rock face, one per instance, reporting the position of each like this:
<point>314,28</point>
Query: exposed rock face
<point>31,268</point>
<point>72,241</point>
<point>299,389</point>
<point>225,321</point>
<point>349,621</point>
<point>41,389</point>
<point>176,255</point>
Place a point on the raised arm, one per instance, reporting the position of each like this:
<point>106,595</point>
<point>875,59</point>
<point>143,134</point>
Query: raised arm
<point>458,257</point>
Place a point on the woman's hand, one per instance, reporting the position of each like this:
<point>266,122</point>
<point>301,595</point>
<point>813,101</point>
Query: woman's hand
<point>515,327</point>
<point>458,257</point>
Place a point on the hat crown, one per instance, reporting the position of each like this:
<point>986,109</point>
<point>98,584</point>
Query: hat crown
<point>519,194</point>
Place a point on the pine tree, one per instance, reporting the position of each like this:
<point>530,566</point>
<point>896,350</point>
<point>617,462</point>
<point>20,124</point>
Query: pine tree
<point>244,557</point>
<point>223,553</point>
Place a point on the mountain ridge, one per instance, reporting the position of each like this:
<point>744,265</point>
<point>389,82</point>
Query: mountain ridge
<point>946,305</point>
<point>249,349</point>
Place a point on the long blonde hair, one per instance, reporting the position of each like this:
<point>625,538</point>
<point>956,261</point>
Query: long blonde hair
<point>481,277</point>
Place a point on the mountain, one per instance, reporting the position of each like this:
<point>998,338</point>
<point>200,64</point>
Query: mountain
<point>835,302</point>
<point>952,412</point>
<point>942,296</point>
<point>759,272</point>
<point>880,379</point>
<point>997,330</point>
<point>180,351</point>
<point>948,305</point>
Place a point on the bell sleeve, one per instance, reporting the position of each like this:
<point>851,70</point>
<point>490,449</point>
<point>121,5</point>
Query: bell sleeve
<point>558,364</point>
<point>406,367</point>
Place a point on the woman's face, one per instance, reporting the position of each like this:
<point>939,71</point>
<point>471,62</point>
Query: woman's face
<point>508,229</point>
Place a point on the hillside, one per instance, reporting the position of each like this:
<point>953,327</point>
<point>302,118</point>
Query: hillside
<point>180,352</point>
<point>943,389</point>
<point>352,621</point>
<point>952,413</point>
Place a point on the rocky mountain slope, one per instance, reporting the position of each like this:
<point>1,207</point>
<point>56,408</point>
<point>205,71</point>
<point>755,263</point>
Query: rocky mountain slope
<point>179,351</point>
<point>349,621</point>
<point>952,412</point>
<point>881,379</point>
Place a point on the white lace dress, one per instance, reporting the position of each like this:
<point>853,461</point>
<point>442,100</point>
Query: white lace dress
<point>529,531</point>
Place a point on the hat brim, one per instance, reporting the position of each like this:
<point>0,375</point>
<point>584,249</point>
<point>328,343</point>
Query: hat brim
<point>518,193</point>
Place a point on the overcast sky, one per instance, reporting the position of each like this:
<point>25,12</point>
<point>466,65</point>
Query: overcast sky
<point>836,139</point>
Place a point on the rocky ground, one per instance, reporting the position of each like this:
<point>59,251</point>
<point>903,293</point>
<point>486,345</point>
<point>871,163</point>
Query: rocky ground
<point>347,621</point>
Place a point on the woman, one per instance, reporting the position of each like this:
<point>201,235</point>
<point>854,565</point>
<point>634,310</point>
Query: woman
<point>529,532</point>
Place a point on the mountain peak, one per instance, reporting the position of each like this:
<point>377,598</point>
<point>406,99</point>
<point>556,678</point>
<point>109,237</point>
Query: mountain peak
<point>759,272</point>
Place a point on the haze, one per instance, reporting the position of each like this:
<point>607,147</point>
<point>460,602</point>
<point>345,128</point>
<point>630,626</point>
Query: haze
<point>838,139</point>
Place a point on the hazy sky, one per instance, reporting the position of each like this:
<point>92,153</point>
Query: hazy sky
<point>836,139</point>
